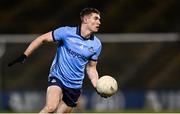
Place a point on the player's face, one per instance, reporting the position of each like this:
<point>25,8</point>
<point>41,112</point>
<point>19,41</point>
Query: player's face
<point>93,22</point>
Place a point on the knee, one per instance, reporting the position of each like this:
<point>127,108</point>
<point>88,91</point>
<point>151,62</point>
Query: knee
<point>50,109</point>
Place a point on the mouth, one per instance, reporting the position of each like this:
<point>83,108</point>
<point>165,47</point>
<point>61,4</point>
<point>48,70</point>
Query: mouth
<point>97,27</point>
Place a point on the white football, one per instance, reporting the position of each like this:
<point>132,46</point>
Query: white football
<point>107,86</point>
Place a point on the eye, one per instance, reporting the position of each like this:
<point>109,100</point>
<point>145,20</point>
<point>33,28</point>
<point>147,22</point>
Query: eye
<point>96,18</point>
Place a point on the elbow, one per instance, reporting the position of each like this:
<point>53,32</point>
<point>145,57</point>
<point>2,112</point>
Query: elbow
<point>43,42</point>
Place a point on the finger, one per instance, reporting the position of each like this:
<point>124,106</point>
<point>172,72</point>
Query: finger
<point>11,63</point>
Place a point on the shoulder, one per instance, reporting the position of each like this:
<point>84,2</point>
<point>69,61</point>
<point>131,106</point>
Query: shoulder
<point>66,28</point>
<point>97,41</point>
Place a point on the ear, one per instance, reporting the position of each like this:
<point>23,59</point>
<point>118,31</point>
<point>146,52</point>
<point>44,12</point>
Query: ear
<point>85,19</point>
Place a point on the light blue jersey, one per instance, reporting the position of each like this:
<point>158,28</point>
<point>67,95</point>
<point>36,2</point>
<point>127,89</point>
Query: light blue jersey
<point>73,53</point>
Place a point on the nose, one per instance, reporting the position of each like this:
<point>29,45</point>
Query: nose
<point>99,22</point>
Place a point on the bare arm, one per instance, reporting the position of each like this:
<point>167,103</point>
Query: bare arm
<point>92,72</point>
<point>47,37</point>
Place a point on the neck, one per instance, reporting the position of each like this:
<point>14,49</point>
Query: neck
<point>85,32</point>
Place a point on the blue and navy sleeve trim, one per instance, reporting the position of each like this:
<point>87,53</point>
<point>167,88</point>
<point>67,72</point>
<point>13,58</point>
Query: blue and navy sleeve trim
<point>53,36</point>
<point>93,59</point>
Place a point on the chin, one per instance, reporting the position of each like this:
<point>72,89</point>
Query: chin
<point>95,30</point>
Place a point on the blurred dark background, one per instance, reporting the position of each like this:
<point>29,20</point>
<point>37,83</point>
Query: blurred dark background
<point>118,16</point>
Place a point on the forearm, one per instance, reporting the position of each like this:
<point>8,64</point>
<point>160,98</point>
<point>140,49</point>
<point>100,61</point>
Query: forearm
<point>33,46</point>
<point>38,42</point>
<point>93,76</point>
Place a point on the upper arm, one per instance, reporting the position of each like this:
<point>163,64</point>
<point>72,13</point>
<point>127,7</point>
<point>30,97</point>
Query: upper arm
<point>91,64</point>
<point>52,36</point>
<point>59,33</point>
<point>47,37</point>
<point>97,53</point>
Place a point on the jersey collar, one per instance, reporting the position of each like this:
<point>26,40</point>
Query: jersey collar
<point>78,32</point>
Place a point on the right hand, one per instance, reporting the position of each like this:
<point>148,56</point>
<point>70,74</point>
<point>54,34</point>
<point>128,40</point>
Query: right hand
<point>21,59</point>
<point>102,95</point>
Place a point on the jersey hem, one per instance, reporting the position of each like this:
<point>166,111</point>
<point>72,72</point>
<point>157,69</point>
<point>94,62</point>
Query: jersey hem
<point>63,84</point>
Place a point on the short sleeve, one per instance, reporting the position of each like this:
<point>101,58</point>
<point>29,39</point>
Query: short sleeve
<point>59,33</point>
<point>96,55</point>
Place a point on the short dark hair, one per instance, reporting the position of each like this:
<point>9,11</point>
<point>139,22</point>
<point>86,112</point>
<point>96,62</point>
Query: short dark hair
<point>87,11</point>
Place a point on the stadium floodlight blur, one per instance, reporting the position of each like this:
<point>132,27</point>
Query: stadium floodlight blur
<point>130,37</point>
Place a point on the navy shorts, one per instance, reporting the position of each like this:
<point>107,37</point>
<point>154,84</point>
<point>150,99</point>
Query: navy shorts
<point>70,95</point>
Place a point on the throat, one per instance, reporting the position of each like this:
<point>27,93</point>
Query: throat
<point>86,34</point>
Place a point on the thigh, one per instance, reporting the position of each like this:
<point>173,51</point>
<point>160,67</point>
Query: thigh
<point>63,108</point>
<point>53,95</point>
<point>69,100</point>
<point>71,96</point>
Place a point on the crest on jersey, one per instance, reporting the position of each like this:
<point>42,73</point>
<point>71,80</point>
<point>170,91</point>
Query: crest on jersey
<point>91,49</point>
<point>81,46</point>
